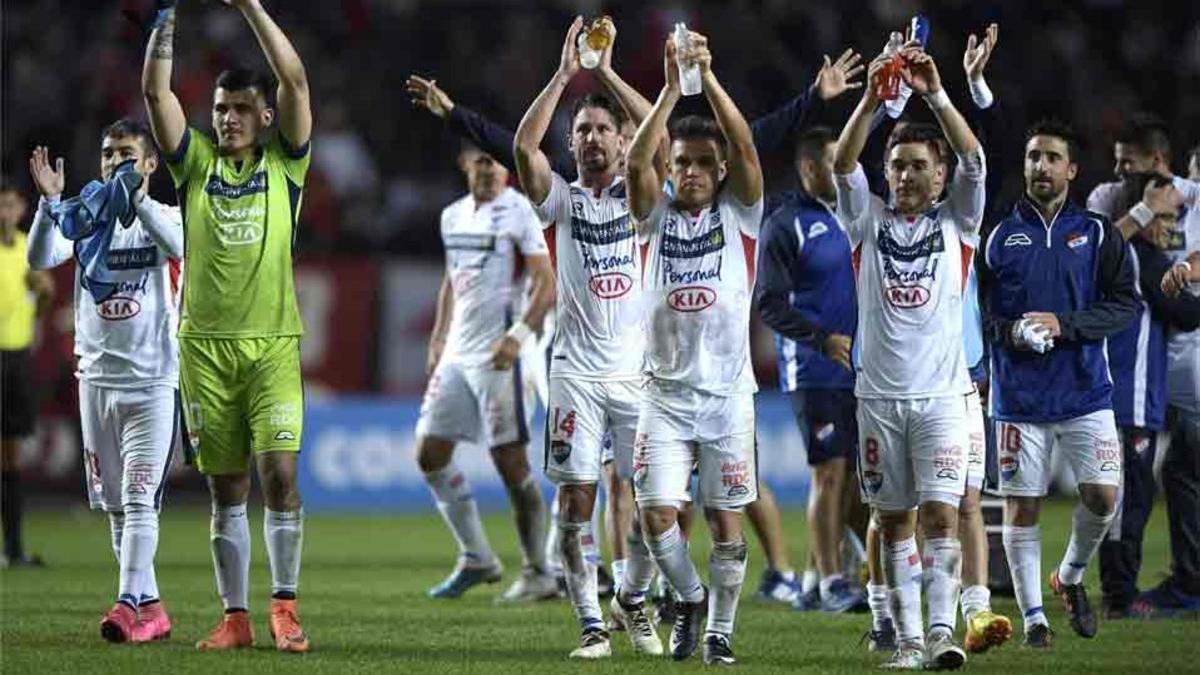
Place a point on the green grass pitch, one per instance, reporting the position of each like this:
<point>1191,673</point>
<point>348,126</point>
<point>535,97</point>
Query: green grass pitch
<point>363,603</point>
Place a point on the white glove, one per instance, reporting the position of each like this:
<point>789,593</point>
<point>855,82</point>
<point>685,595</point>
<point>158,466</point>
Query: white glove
<point>1033,336</point>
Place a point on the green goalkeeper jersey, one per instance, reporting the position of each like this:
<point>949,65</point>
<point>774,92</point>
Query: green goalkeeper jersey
<point>239,227</point>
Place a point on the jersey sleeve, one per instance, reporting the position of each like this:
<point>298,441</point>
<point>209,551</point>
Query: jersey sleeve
<point>1103,199</point>
<point>294,160</point>
<point>556,208</point>
<point>1190,190</point>
<point>748,217</point>
<point>187,161</point>
<point>855,203</point>
<point>528,237</point>
<point>968,191</point>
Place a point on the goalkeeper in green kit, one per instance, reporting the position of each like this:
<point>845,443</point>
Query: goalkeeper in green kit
<point>239,336</point>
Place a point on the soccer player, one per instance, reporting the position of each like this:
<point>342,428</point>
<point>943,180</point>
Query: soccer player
<point>805,293</point>
<point>128,370</point>
<point>913,385</point>
<point>597,355</point>
<point>239,337</point>
<point>1055,284</point>
<point>477,390</point>
<point>1138,363</point>
<point>24,295</point>
<point>698,405</point>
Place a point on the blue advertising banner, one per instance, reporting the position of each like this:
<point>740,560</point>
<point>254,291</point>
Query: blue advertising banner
<point>358,455</point>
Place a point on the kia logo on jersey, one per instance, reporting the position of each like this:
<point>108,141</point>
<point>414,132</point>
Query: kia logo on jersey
<point>118,308</point>
<point>907,297</point>
<point>239,234</point>
<point>691,298</point>
<point>610,285</point>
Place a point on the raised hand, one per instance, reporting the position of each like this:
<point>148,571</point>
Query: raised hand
<point>606,55</point>
<point>426,94</point>
<point>1162,198</point>
<point>919,71</point>
<point>49,181</point>
<point>671,66</point>
<point>834,79</point>
<point>697,52</point>
<point>977,53</point>
<point>568,63</point>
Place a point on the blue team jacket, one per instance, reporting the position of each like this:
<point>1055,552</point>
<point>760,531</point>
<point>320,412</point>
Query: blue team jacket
<point>1076,266</point>
<point>805,291</point>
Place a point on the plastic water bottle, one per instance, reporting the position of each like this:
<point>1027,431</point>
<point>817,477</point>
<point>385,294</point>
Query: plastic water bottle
<point>592,42</point>
<point>689,74</point>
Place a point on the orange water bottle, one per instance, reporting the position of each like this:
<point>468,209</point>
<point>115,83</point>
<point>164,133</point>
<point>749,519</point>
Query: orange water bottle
<point>887,80</point>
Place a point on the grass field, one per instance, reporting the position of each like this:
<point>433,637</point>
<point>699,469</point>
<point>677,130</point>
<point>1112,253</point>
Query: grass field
<point>364,605</point>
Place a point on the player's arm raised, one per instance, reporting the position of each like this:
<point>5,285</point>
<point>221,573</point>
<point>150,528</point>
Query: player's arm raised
<point>295,111</point>
<point>854,135</point>
<point>921,73</point>
<point>745,173</point>
<point>533,168</point>
<point>636,106</point>
<point>645,188</point>
<point>167,120</point>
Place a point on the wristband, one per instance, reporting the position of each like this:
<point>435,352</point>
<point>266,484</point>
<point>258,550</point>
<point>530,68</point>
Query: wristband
<point>938,99</point>
<point>1142,214</point>
<point>520,332</point>
<point>981,93</point>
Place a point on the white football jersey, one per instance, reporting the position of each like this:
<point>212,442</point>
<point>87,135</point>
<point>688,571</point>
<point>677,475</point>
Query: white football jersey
<point>485,249</point>
<point>598,269</point>
<point>1183,349</point>
<point>911,277</point>
<point>698,283</point>
<point>129,340</point>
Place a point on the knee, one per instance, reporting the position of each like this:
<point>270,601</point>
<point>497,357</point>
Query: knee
<point>1099,499</point>
<point>939,520</point>
<point>657,520</point>
<point>968,508</point>
<point>827,478</point>
<point>732,551</point>
<point>1021,511</point>
<point>512,463</point>
<point>433,454</point>
<point>575,502</point>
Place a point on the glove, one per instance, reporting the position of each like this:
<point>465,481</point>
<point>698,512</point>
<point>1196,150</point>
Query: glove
<point>1032,336</point>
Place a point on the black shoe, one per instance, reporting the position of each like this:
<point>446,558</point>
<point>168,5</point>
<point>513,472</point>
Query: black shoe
<point>1075,600</point>
<point>1039,637</point>
<point>717,651</point>
<point>882,640</point>
<point>688,627</point>
<point>605,585</point>
<point>665,608</point>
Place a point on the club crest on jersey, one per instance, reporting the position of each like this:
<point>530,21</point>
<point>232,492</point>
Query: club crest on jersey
<point>872,480</point>
<point>907,297</point>
<point>1076,240</point>
<point>1018,239</point>
<point>118,308</point>
<point>691,298</point>
<point>818,228</point>
<point>560,451</point>
<point>611,285</point>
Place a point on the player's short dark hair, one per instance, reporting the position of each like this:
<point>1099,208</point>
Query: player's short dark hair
<point>1147,132</point>
<point>239,79</point>
<point>597,100</point>
<point>1133,186</point>
<point>811,144</point>
<point>128,128</point>
<point>1058,129</point>
<point>698,128</point>
<point>918,132</point>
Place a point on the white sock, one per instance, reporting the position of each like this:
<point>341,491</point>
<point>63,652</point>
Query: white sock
<point>827,582</point>
<point>877,599</point>
<point>284,532</point>
<point>670,551</point>
<point>810,580</point>
<point>1087,531</point>
<point>942,557</point>
<point>975,599</point>
<point>618,572</point>
<point>149,587</point>
<point>1023,548</point>
<point>230,541</point>
<point>116,525</point>
<point>139,541</point>
<point>727,570</point>
<point>573,538</point>
<point>452,493</point>
<point>554,562</point>
<point>902,568</point>
<point>639,567</point>
<point>529,512</point>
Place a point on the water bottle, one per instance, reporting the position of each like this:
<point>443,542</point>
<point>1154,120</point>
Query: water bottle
<point>592,43</point>
<point>689,74</point>
<point>887,81</point>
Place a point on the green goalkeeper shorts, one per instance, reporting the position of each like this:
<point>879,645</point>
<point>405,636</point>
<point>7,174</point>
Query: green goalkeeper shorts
<point>240,396</point>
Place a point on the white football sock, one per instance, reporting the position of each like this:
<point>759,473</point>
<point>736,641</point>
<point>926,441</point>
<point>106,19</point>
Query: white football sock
<point>810,580</point>
<point>457,505</point>
<point>139,541</point>
<point>284,533</point>
<point>1087,532</point>
<point>881,610</point>
<point>942,557</point>
<point>1023,548</point>
<point>116,525</point>
<point>580,576</point>
<point>670,551</point>
<point>727,570</point>
<point>529,512</point>
<point>149,587</point>
<point>902,569</point>
<point>639,569</point>
<point>554,562</point>
<point>230,540</point>
<point>975,599</point>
